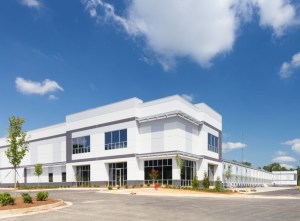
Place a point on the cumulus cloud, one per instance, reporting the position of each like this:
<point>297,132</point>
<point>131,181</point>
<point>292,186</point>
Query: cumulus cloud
<point>32,3</point>
<point>284,159</point>
<point>188,97</point>
<point>229,146</point>
<point>52,97</point>
<point>295,145</point>
<point>33,87</point>
<point>288,68</point>
<point>278,14</point>
<point>280,153</point>
<point>197,29</point>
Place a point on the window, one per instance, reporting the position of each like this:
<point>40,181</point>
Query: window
<point>213,143</point>
<point>83,175</point>
<point>164,168</point>
<point>116,139</point>
<point>81,145</point>
<point>63,177</point>
<point>50,176</point>
<point>188,172</point>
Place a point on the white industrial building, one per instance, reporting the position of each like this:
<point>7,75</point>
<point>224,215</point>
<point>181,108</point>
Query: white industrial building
<point>120,143</point>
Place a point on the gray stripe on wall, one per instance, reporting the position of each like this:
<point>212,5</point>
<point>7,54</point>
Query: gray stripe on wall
<point>41,139</point>
<point>103,158</point>
<point>24,166</point>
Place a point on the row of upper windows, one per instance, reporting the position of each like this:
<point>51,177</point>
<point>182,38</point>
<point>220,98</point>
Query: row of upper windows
<point>118,139</point>
<point>113,140</point>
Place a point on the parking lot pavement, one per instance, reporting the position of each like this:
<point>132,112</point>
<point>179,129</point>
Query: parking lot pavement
<point>292,192</point>
<point>91,205</point>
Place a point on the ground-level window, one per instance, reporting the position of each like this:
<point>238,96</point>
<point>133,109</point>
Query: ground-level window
<point>188,172</point>
<point>63,176</point>
<point>50,176</point>
<point>81,145</point>
<point>83,175</point>
<point>118,174</point>
<point>164,168</point>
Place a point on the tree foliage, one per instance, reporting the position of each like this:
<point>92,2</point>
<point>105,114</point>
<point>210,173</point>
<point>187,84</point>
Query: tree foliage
<point>18,146</point>
<point>228,173</point>
<point>154,174</point>
<point>246,163</point>
<point>274,167</point>
<point>206,182</point>
<point>38,170</point>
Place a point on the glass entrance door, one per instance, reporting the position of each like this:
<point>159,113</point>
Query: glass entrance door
<point>119,180</point>
<point>118,174</point>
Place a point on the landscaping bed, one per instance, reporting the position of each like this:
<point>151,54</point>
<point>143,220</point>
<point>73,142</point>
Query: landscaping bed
<point>19,204</point>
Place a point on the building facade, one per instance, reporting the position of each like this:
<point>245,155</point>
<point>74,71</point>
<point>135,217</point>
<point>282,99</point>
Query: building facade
<point>121,143</point>
<point>284,178</point>
<point>239,175</point>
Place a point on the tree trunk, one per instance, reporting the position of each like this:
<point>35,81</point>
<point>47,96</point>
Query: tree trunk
<point>15,180</point>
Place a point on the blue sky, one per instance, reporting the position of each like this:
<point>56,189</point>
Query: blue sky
<point>240,57</point>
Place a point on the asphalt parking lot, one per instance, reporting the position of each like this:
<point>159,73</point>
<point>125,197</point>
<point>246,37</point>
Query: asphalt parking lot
<point>91,205</point>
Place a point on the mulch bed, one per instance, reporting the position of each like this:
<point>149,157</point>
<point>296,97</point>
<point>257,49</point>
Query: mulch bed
<point>19,204</point>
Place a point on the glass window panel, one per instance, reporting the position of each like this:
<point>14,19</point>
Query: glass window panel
<point>123,135</point>
<point>115,136</point>
<point>107,137</point>
<point>146,163</point>
<point>159,162</point>
<point>165,162</point>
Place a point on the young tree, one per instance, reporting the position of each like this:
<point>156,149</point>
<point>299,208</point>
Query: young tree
<point>18,146</point>
<point>206,181</point>
<point>154,175</point>
<point>228,174</point>
<point>38,170</point>
<point>179,163</point>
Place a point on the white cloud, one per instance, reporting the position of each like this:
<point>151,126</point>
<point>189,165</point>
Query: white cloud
<point>52,97</point>
<point>33,87</point>
<point>229,146</point>
<point>188,97</point>
<point>31,3</point>
<point>288,166</point>
<point>288,68</point>
<point>278,14</point>
<point>197,29</point>
<point>284,159</point>
<point>295,145</point>
<point>280,153</point>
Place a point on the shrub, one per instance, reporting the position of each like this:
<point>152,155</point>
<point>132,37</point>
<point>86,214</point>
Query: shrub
<point>6,199</point>
<point>206,181</point>
<point>109,187</point>
<point>42,196</point>
<point>218,186</point>
<point>141,185</point>
<point>133,186</point>
<point>26,198</point>
<point>148,184</point>
<point>126,186</point>
<point>195,182</point>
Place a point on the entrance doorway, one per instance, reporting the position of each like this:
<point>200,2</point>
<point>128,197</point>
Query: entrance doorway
<point>118,174</point>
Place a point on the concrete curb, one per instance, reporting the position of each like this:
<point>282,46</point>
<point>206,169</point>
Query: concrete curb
<point>34,210</point>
